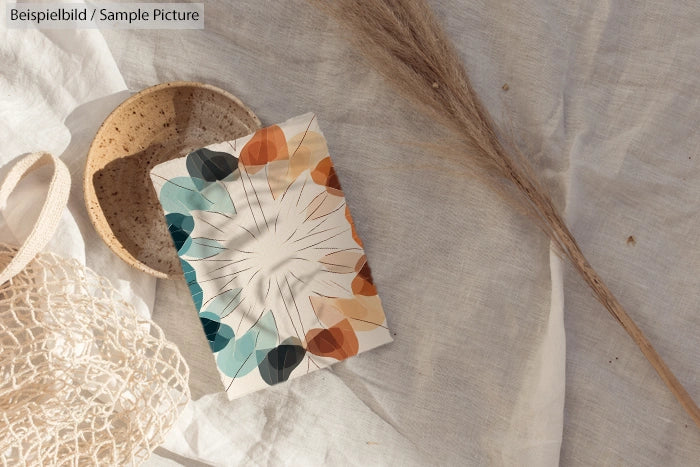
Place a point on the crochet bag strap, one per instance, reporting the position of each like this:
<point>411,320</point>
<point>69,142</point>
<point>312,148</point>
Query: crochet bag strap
<point>47,222</point>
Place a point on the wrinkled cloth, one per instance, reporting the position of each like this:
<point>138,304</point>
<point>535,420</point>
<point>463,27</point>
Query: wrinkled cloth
<point>501,355</point>
<point>56,87</point>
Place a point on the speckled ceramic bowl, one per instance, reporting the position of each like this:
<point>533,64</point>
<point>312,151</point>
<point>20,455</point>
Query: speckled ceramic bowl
<point>157,124</point>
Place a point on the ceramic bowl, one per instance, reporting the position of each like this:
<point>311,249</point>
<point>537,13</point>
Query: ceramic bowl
<point>157,124</point>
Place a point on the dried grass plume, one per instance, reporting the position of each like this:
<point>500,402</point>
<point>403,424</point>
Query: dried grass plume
<point>404,42</point>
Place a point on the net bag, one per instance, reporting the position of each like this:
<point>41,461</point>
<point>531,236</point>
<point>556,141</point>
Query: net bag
<point>83,380</point>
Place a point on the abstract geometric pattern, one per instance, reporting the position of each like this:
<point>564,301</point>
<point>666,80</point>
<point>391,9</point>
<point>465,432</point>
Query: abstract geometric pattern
<point>270,252</point>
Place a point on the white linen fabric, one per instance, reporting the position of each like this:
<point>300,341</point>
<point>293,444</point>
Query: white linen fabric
<point>602,96</point>
<point>55,89</point>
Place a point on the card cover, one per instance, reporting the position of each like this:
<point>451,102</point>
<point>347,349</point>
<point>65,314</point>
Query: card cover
<point>271,255</point>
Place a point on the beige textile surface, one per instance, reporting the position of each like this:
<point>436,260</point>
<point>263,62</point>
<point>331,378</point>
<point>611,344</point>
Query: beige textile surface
<point>604,98</point>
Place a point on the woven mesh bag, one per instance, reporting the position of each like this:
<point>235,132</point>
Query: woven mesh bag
<point>83,380</point>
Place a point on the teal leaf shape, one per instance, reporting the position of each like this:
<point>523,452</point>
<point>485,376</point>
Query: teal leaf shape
<point>191,279</point>
<point>223,304</point>
<point>185,194</point>
<point>200,247</point>
<point>241,356</point>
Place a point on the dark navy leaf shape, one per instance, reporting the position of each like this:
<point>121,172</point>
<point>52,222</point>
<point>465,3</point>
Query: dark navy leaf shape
<point>180,227</point>
<point>218,334</point>
<point>210,165</point>
<point>279,363</point>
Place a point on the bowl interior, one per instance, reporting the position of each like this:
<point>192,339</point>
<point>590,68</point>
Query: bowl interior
<point>158,124</point>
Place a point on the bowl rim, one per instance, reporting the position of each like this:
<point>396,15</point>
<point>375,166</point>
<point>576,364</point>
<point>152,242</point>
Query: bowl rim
<point>92,204</point>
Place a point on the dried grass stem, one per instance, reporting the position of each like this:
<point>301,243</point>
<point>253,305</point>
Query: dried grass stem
<point>404,42</point>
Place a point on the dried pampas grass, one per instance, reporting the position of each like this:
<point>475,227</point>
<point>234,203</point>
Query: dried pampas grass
<point>404,42</point>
